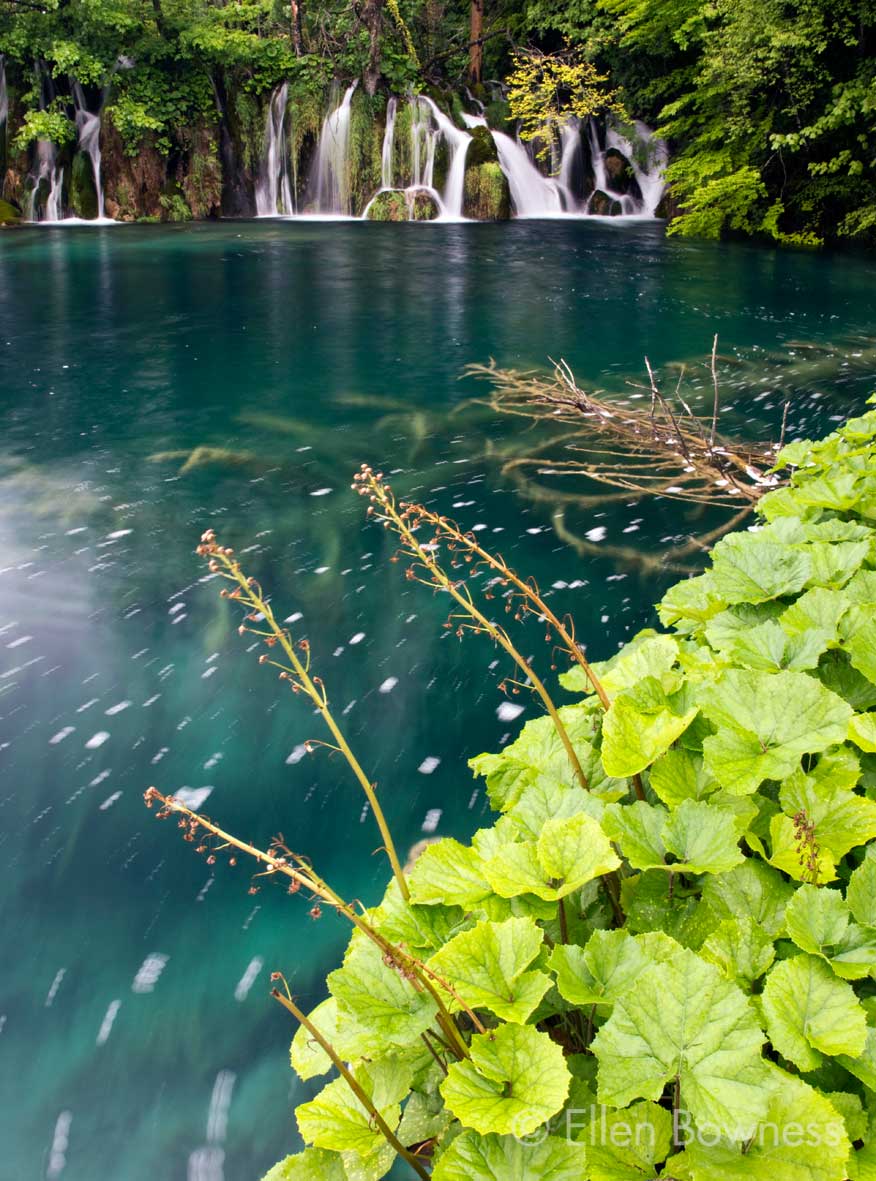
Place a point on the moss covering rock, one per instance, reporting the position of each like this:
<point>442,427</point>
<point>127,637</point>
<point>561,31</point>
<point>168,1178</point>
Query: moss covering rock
<point>422,205</point>
<point>482,149</point>
<point>83,193</point>
<point>486,196</point>
<point>604,206</point>
<point>390,205</point>
<point>9,214</point>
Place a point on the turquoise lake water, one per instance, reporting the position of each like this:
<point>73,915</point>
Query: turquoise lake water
<point>137,1038</point>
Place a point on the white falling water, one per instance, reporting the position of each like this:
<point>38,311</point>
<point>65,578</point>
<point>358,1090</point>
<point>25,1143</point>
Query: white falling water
<point>88,126</point>
<point>457,147</point>
<point>388,142</point>
<point>571,153</point>
<point>48,171</point>
<point>332,165</point>
<point>4,97</point>
<point>653,152</point>
<point>274,186</point>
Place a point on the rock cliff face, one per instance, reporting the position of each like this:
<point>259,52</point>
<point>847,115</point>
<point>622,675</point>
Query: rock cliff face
<point>336,151</point>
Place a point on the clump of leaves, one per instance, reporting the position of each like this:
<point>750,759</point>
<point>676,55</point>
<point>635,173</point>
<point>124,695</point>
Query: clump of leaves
<point>668,972</point>
<point>546,90</point>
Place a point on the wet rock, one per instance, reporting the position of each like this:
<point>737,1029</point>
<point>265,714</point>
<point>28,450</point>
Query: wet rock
<point>486,196</point>
<point>422,205</point>
<point>604,206</point>
<point>9,214</point>
<point>83,193</point>
<point>389,205</point>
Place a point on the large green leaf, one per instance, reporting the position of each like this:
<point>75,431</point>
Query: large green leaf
<point>690,603</point>
<point>681,775</point>
<point>862,731</point>
<point>810,1012</point>
<point>752,891</point>
<point>802,1138</point>
<point>749,568</point>
<point>818,610</point>
<point>627,1145</point>
<point>336,1119</point>
<point>448,874</point>
<point>602,971</point>
<point>569,853</point>
<point>858,631</point>
<point>487,966</point>
<point>767,721</point>
<point>818,922</point>
<point>842,818</point>
<point>473,1157</point>
<point>684,1020</point>
<point>514,1081</point>
<point>538,750</point>
<point>646,655</point>
<point>741,949</point>
<point>314,1164</point>
<point>376,997</point>
<point>697,837</point>
<point>641,724</point>
<point>861,892</point>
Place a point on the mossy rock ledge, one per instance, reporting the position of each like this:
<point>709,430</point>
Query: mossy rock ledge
<point>403,205</point>
<point>486,196</point>
<point>604,206</point>
<point>9,215</point>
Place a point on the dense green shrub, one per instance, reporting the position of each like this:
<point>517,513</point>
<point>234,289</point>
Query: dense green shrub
<point>670,972</point>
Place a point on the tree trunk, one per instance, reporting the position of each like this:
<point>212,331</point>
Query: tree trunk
<point>372,16</point>
<point>476,48</point>
<point>295,13</point>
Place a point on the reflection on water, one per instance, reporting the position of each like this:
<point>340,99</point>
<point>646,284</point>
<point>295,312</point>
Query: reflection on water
<point>154,382</point>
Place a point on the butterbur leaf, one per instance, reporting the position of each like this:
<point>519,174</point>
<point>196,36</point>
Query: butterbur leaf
<point>816,919</point>
<point>314,1164</point>
<point>749,568</point>
<point>641,724</point>
<point>842,818</point>
<point>681,775</point>
<point>861,891</point>
<point>742,950</point>
<point>862,731</point>
<point>424,1117</point>
<point>818,610</point>
<point>646,655</point>
<point>473,1157</point>
<point>863,1065</point>
<point>547,799</point>
<point>858,631</point>
<point>307,1056</point>
<point>568,854</point>
<point>802,1138</point>
<point>767,722</point>
<point>810,1012</point>
<point>487,967</point>
<point>753,891</point>
<point>627,1145</point>
<point>636,828</point>
<point>514,1081</point>
<point>448,874</point>
<point>769,648</point>
<point>685,1019</point>
<point>698,837</point>
<point>690,602</point>
<point>537,751</point>
<point>336,1119</point>
<point>376,997</point>
<point>602,971</point>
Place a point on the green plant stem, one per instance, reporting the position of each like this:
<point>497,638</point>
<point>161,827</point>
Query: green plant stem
<point>353,1083</point>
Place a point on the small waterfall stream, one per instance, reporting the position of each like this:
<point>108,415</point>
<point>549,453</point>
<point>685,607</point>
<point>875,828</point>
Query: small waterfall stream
<point>388,144</point>
<point>48,171</point>
<point>650,178</point>
<point>274,189</point>
<point>332,164</point>
<point>4,97</point>
<point>457,147</point>
<point>88,126</point>
<point>532,194</point>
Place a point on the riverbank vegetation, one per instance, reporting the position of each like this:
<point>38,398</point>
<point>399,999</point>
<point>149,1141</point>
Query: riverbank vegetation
<point>659,959</point>
<point>768,108</point>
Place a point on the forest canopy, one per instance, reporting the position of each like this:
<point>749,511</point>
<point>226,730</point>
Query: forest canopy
<point>769,108</point>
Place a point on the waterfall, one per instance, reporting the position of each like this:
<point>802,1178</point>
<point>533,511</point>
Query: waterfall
<point>388,141</point>
<point>4,97</point>
<point>274,186</point>
<point>88,126</point>
<point>48,171</point>
<point>332,165</point>
<point>571,162</point>
<point>457,142</point>
<point>656,156</point>
<point>532,194</point>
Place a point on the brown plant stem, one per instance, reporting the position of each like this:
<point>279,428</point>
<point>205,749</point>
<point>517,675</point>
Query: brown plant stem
<point>353,1083</point>
<point>250,595</point>
<point>382,498</point>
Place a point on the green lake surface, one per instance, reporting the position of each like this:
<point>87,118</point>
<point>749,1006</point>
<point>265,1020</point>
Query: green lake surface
<point>137,1038</point>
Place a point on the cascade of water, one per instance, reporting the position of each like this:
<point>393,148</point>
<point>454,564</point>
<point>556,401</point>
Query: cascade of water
<point>48,171</point>
<point>532,194</point>
<point>388,142</point>
<point>628,204</point>
<point>332,164</point>
<point>571,162</point>
<point>648,158</point>
<point>88,126</point>
<point>274,186</point>
<point>423,141</point>
<point>457,142</point>
<point>4,97</point>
